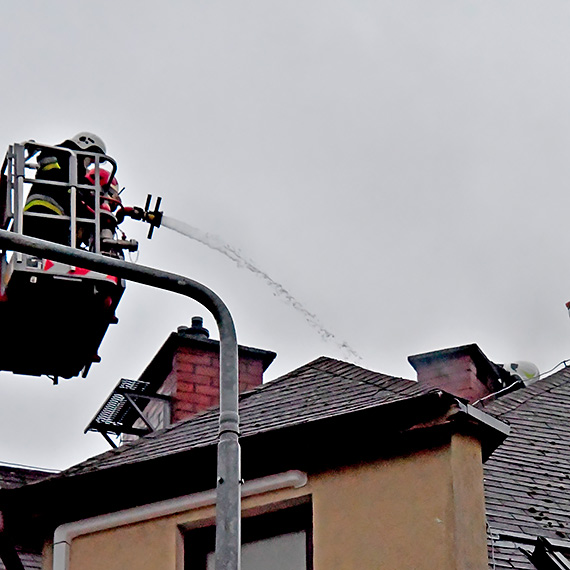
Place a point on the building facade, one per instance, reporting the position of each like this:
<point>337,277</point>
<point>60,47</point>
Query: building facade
<point>343,468</point>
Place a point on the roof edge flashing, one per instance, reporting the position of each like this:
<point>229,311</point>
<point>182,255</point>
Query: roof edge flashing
<point>492,431</point>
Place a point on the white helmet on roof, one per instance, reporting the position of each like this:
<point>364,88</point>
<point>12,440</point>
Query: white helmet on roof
<point>86,141</point>
<point>526,371</point>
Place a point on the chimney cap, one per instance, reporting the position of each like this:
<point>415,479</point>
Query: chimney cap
<point>488,371</point>
<point>471,350</point>
<point>197,329</point>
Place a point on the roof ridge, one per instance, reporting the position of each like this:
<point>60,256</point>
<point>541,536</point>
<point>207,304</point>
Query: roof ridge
<point>342,374</point>
<point>270,384</point>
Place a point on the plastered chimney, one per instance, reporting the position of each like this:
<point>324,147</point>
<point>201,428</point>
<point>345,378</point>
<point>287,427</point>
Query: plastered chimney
<point>463,371</point>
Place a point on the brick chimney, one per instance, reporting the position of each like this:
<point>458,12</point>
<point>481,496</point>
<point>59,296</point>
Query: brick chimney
<point>463,371</point>
<point>187,370</point>
<point>194,380</point>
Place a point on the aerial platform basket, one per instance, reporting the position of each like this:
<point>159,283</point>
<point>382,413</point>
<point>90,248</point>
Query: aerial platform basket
<point>53,316</point>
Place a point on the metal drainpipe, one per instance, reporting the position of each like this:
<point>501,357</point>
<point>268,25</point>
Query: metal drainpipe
<point>228,505</point>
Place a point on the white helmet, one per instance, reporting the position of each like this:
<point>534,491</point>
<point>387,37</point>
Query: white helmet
<point>526,371</point>
<point>86,141</point>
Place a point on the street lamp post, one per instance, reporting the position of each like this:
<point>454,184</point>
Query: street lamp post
<point>228,502</point>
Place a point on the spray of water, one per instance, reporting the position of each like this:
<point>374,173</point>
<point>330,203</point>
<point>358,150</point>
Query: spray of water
<point>217,244</point>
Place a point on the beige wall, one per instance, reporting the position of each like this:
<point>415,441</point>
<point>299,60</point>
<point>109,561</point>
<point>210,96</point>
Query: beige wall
<point>423,511</point>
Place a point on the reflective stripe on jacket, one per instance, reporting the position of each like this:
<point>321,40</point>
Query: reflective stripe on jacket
<point>43,202</point>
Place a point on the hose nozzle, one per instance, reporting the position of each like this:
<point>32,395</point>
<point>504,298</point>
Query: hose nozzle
<point>154,217</point>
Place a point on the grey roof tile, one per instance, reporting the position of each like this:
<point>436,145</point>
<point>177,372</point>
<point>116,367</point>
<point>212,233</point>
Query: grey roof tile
<point>12,476</point>
<point>527,479</point>
<point>317,390</point>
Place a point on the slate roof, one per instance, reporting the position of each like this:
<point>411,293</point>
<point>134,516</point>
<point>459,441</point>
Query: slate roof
<point>320,389</point>
<point>12,476</point>
<point>527,479</point>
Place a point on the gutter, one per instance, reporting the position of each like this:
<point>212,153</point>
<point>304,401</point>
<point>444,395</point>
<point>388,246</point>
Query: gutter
<point>484,418</point>
<point>493,431</point>
<point>65,533</point>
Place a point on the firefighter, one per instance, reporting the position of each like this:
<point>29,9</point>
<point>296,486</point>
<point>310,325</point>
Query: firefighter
<point>110,202</point>
<point>44,198</point>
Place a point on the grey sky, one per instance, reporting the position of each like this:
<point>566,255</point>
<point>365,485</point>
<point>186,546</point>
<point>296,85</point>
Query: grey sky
<point>400,167</point>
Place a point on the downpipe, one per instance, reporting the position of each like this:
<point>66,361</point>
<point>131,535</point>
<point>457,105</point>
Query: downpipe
<point>228,512</point>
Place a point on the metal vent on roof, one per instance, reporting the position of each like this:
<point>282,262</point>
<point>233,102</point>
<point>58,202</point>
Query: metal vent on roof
<point>114,409</point>
<point>123,408</point>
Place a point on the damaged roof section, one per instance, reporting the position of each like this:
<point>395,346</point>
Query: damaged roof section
<point>527,479</point>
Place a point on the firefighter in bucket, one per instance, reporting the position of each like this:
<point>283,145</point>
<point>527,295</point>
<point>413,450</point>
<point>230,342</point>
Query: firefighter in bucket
<point>53,196</point>
<point>67,194</point>
<point>49,201</point>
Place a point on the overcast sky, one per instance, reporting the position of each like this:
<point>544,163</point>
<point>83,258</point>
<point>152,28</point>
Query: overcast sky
<point>401,168</point>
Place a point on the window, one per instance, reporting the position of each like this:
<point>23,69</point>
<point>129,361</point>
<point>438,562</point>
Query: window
<point>551,554</point>
<point>278,540</point>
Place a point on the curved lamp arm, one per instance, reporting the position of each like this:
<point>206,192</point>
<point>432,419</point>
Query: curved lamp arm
<point>228,504</point>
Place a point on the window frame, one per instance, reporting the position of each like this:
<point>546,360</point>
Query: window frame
<point>260,523</point>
